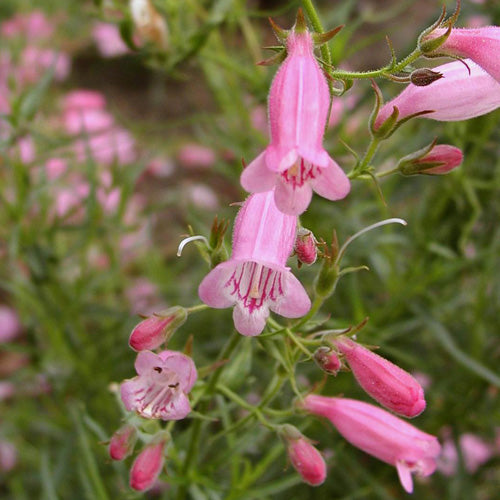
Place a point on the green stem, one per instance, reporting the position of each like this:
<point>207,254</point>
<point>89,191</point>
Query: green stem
<point>199,307</point>
<point>209,390</point>
<point>361,167</point>
<point>317,303</point>
<point>318,28</point>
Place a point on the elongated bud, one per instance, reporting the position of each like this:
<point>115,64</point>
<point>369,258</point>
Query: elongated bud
<point>305,458</point>
<point>122,442</point>
<point>149,23</point>
<point>424,76</point>
<point>432,160</point>
<point>328,360</point>
<point>157,329</point>
<point>305,247</point>
<point>385,382</point>
<point>147,466</point>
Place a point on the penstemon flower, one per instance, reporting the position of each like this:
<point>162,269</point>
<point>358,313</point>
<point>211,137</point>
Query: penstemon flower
<point>381,434</point>
<point>295,162</point>
<point>459,95</point>
<point>255,279</point>
<point>159,390</point>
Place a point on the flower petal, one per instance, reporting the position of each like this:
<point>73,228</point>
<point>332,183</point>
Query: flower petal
<point>249,323</point>
<point>256,177</point>
<point>331,183</point>
<point>292,200</point>
<point>404,476</point>
<point>296,302</point>
<point>212,288</point>
<point>146,361</point>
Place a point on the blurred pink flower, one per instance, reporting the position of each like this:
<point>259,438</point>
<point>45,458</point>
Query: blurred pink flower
<point>144,297</point>
<point>55,167</point>
<point>295,162</point>
<point>161,386</point>
<point>8,456</point>
<point>108,40</point>
<point>7,390</point>
<point>10,326</point>
<point>160,167</point>
<point>86,121</point>
<point>34,26</point>
<point>203,197</point>
<point>196,156</point>
<point>83,99</point>
<point>255,279</point>
<point>381,434</point>
<point>36,61</point>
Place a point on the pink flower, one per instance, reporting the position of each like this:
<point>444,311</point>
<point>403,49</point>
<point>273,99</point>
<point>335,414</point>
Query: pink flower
<point>457,96</point>
<point>481,45</point>
<point>155,330</point>
<point>196,156</point>
<point>306,459</point>
<point>108,40</point>
<point>122,442</point>
<point>380,434</point>
<point>295,162</point>
<point>159,390</point>
<point>8,456</point>
<point>10,326</point>
<point>385,382</point>
<point>255,279</point>
<point>147,467</point>
<point>84,99</point>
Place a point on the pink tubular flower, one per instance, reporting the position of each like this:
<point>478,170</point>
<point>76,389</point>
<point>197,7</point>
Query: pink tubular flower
<point>147,466</point>
<point>481,45</point>
<point>153,331</point>
<point>255,279</point>
<point>122,442</point>
<point>457,96</point>
<point>385,382</point>
<point>380,434</point>
<point>159,390</point>
<point>295,161</point>
<point>305,458</point>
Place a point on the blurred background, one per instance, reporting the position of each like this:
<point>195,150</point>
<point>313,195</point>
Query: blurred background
<point>116,142</point>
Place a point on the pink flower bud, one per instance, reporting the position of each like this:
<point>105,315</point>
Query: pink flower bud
<point>157,329</point>
<point>305,458</point>
<point>147,467</point>
<point>385,382</point>
<point>440,160</point>
<point>377,432</point>
<point>305,247</point>
<point>122,442</point>
<point>196,156</point>
<point>327,360</point>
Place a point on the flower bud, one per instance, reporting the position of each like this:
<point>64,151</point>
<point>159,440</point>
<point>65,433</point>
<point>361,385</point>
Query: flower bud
<point>157,329</point>
<point>432,160</point>
<point>305,247</point>
<point>327,360</point>
<point>305,458</point>
<point>385,382</point>
<point>122,442</point>
<point>424,76</point>
<point>147,466</point>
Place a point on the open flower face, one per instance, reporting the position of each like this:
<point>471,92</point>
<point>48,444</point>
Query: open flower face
<point>255,279</point>
<point>160,388</point>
